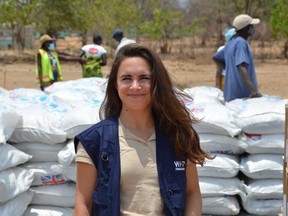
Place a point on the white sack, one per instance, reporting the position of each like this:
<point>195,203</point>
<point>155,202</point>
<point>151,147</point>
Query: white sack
<point>265,115</point>
<point>222,166</point>
<point>221,205</point>
<point>43,173</point>
<point>96,84</point>
<point>210,91</point>
<point>4,92</point>
<point>264,143</point>
<point>79,119</point>
<point>215,118</point>
<point>44,210</point>
<point>264,189</point>
<point>68,172</point>
<point>216,143</point>
<point>67,155</point>
<point>25,97</point>
<point>16,206</point>
<point>8,122</point>
<point>62,195</point>
<point>211,187</point>
<point>13,182</point>
<point>11,156</point>
<point>263,207</point>
<point>40,152</point>
<point>38,124</point>
<point>262,166</point>
<point>77,97</point>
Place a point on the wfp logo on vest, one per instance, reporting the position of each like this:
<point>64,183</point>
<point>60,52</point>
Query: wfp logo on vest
<point>179,165</point>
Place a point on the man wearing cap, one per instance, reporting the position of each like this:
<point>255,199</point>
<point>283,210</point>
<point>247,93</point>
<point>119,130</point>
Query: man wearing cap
<point>48,68</point>
<point>237,59</point>
<point>121,41</point>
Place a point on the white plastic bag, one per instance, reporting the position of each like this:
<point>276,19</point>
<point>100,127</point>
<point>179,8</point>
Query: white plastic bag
<point>11,156</point>
<point>262,166</point>
<point>222,166</point>
<point>45,210</point>
<point>221,205</point>
<point>62,195</point>
<point>13,182</point>
<point>17,205</point>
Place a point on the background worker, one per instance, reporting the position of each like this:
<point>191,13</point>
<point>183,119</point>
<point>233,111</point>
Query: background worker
<point>237,59</point>
<point>121,41</point>
<point>48,68</point>
<point>220,73</point>
<point>96,57</point>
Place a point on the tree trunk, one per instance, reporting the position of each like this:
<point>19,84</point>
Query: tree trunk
<point>84,38</point>
<point>286,49</point>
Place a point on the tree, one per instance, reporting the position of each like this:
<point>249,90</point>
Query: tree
<point>55,16</point>
<point>124,14</point>
<point>279,22</point>
<point>162,23</point>
<point>15,15</point>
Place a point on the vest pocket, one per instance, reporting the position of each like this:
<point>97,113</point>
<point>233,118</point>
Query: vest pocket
<point>177,198</point>
<point>100,203</point>
<point>177,195</point>
<point>100,197</point>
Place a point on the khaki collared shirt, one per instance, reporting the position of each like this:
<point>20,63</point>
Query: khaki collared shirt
<point>140,191</point>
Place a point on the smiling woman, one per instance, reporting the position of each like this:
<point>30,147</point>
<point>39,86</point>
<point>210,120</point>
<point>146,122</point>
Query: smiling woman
<point>134,85</point>
<point>141,159</point>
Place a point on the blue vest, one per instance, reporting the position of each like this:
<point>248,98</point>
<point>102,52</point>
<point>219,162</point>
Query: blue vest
<point>101,142</point>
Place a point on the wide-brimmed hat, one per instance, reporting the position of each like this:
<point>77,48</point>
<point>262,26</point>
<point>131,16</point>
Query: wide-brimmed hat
<point>243,20</point>
<point>44,38</point>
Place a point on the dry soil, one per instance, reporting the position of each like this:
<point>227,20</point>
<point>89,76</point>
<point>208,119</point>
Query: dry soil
<point>271,75</point>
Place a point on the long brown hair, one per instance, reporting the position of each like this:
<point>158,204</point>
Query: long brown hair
<point>168,110</point>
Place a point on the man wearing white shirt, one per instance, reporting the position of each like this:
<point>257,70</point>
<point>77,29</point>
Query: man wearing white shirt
<point>96,57</point>
<point>121,41</point>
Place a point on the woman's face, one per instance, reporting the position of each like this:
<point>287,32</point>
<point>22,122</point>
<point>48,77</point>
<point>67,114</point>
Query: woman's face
<point>134,84</point>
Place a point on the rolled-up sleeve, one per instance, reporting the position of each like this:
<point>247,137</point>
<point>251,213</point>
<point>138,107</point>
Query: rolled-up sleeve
<point>82,155</point>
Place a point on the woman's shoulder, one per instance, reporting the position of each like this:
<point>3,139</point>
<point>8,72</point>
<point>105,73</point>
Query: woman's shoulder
<point>103,124</point>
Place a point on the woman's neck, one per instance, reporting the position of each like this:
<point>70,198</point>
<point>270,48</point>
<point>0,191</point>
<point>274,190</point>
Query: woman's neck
<point>137,120</point>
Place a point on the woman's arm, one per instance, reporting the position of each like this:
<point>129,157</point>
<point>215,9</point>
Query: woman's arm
<point>193,205</point>
<point>85,185</point>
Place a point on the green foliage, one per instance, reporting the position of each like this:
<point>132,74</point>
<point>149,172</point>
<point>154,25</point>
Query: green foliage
<point>15,15</point>
<point>197,27</point>
<point>17,12</point>
<point>113,14</point>
<point>279,22</point>
<point>279,19</point>
<point>63,15</point>
<point>163,26</point>
<point>161,20</point>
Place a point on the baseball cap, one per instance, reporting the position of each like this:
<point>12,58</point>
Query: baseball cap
<point>230,33</point>
<point>243,20</point>
<point>44,39</point>
<point>117,32</point>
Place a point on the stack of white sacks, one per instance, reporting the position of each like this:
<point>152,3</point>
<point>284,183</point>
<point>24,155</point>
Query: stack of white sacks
<point>219,184</point>
<point>262,121</point>
<point>37,159</point>
<point>247,137</point>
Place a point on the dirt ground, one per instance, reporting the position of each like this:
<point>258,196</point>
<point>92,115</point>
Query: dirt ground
<point>272,75</point>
